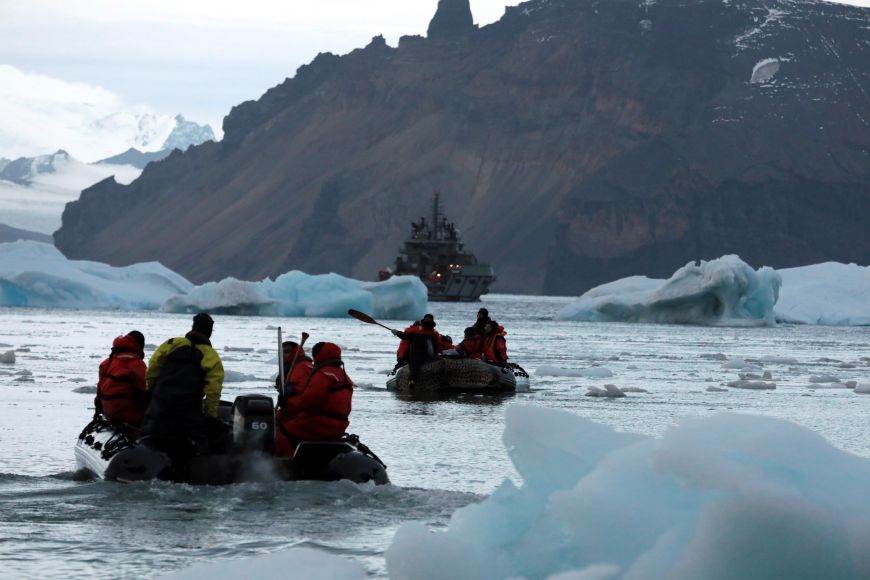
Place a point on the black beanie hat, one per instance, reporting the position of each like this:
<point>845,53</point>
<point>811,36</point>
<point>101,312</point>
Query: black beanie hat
<point>483,311</point>
<point>316,349</point>
<point>138,337</point>
<point>203,323</point>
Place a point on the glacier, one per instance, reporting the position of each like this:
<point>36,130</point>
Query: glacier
<point>36,274</point>
<point>727,291</point>
<point>726,496</point>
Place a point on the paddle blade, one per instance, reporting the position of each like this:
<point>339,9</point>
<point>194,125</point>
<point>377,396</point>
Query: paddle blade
<point>361,316</point>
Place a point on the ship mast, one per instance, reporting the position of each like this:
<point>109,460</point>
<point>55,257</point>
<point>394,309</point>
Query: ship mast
<point>436,215</point>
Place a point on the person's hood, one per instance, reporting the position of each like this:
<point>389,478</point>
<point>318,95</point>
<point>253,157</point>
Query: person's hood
<point>329,351</point>
<point>127,344</point>
<point>294,353</point>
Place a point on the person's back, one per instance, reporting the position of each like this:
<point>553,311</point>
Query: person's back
<point>320,411</point>
<point>494,343</point>
<point>181,372</point>
<point>122,396</point>
<point>472,345</point>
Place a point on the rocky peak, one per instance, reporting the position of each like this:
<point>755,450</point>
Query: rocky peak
<point>452,19</point>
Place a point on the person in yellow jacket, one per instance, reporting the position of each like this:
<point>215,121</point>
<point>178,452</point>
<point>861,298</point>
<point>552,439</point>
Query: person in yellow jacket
<point>181,373</point>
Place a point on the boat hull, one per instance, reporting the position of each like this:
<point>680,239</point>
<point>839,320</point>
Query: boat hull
<point>459,375</point>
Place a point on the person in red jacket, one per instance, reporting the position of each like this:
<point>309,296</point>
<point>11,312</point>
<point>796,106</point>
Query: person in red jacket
<point>472,345</point>
<point>296,365</point>
<point>320,409</point>
<point>494,343</point>
<point>122,396</point>
<point>422,343</point>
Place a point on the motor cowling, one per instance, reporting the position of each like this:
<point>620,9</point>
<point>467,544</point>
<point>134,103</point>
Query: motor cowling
<point>254,423</point>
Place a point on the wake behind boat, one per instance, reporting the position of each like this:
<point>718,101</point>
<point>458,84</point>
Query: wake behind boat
<point>242,453</point>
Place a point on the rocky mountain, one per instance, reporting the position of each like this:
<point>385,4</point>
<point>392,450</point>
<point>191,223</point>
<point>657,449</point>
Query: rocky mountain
<point>4,162</point>
<point>10,234</point>
<point>185,134</point>
<point>136,158</point>
<point>574,142</point>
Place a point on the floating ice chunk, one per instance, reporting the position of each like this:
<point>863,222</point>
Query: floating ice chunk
<point>752,385</point>
<point>37,274</point>
<point>741,365</point>
<point>851,384</point>
<point>766,375</point>
<point>715,356</point>
<point>8,357</point>
<point>293,564</point>
<point>633,390</point>
<point>237,377</point>
<point>712,389</point>
<point>590,373</point>
<point>828,293</point>
<point>764,70</point>
<point>824,379</point>
<point>238,349</point>
<point>725,291</point>
<point>300,294</point>
<point>778,360</point>
<point>863,388</point>
<point>87,390</point>
<point>609,391</point>
<point>720,497</point>
<point>827,386</point>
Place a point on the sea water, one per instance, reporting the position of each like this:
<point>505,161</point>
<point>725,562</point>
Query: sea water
<point>441,455</point>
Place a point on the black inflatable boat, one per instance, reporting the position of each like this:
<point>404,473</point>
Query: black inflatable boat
<point>241,452</point>
<point>460,375</point>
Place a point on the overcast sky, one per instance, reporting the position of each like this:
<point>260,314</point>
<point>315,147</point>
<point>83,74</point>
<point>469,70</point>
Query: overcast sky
<point>198,57</point>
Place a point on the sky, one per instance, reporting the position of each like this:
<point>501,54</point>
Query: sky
<point>194,57</point>
<point>197,57</point>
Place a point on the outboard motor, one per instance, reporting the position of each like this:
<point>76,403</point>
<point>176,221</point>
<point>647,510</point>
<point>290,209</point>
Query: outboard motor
<point>254,424</point>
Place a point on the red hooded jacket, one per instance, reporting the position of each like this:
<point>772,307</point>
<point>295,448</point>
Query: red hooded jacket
<point>121,391</point>
<point>320,410</point>
<point>440,345</point>
<point>495,346</point>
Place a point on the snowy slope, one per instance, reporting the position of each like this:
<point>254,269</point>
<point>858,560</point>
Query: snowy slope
<point>34,191</point>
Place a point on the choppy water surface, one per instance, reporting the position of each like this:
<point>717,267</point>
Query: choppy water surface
<point>441,455</point>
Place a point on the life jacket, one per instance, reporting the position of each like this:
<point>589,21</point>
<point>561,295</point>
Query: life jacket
<point>176,410</point>
<point>320,412</point>
<point>472,347</point>
<point>495,346</point>
<point>121,392</point>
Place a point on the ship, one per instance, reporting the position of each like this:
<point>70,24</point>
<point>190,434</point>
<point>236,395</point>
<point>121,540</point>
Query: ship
<point>435,253</point>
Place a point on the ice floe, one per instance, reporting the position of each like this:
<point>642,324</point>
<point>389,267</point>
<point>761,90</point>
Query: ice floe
<point>589,373</point>
<point>292,564</point>
<point>727,496</point>
<point>7,357</point>
<point>727,291</point>
<point>37,274</point>
<point>609,391</point>
<point>752,385</point>
<point>721,291</point>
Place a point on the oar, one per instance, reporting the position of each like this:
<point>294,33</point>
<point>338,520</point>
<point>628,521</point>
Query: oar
<point>363,317</point>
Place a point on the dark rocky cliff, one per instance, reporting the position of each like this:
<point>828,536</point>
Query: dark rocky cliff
<point>574,142</point>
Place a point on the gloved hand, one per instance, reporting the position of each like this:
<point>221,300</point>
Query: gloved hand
<point>396,333</point>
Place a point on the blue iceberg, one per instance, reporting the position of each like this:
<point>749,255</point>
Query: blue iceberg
<point>728,496</point>
<point>724,291</point>
<point>36,274</point>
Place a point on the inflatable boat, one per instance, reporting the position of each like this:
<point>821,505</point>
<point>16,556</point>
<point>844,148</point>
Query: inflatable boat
<point>241,452</point>
<point>460,375</point>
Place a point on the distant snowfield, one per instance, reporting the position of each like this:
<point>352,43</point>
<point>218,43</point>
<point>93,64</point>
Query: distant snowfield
<point>42,114</point>
<point>727,291</point>
<point>39,206</point>
<point>36,274</point>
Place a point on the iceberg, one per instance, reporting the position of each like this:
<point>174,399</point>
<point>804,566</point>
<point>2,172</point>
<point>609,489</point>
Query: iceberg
<point>36,274</point>
<point>298,294</point>
<point>724,291</point>
<point>829,293</point>
<point>727,496</point>
<point>727,291</point>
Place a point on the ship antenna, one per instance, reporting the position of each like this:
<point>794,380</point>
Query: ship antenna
<point>436,212</point>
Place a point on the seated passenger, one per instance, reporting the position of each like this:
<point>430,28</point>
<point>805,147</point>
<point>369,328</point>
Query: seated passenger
<point>494,343</point>
<point>404,345</point>
<point>122,396</point>
<point>296,365</point>
<point>320,409</point>
<point>472,345</point>
<point>424,343</point>
<point>482,319</point>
